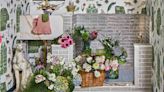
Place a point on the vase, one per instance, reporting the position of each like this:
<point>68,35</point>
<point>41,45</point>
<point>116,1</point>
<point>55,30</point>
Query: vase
<point>111,74</point>
<point>86,47</point>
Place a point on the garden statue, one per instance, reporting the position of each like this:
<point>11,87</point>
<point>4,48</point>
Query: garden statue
<point>21,67</point>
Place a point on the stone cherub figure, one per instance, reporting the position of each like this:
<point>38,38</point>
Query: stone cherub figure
<point>21,67</point>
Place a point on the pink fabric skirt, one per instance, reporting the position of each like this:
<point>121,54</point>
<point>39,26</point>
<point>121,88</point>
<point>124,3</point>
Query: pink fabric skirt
<point>40,27</point>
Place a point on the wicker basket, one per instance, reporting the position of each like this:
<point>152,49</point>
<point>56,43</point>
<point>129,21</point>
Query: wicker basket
<point>87,78</point>
<point>100,80</point>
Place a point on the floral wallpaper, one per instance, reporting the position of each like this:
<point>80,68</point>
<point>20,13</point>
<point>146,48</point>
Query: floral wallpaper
<point>155,9</point>
<point>10,10</point>
<point>94,6</point>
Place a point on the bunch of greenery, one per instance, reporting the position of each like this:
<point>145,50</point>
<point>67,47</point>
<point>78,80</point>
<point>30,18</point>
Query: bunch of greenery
<point>113,49</point>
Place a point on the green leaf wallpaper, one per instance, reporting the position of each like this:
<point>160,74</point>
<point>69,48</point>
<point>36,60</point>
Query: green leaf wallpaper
<point>4,17</point>
<point>10,10</point>
<point>156,8</point>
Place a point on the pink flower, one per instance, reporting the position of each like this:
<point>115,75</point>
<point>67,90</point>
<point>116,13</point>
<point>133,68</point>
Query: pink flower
<point>65,44</point>
<point>70,41</point>
<point>114,64</point>
<point>61,40</point>
<point>65,41</point>
<point>107,68</point>
<point>0,39</point>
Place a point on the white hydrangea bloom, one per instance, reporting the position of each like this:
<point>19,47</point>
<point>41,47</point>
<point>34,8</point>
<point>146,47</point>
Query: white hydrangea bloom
<point>39,78</point>
<point>89,59</point>
<point>51,87</point>
<point>52,77</point>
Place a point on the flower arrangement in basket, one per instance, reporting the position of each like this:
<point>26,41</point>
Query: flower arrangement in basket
<point>80,32</point>
<point>91,69</point>
<point>115,55</point>
<point>56,76</point>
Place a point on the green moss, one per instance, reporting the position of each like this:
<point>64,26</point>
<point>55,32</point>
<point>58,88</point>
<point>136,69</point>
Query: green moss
<point>4,17</point>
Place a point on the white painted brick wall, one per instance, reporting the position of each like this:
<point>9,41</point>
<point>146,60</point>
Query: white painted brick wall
<point>142,65</point>
<point>128,26</point>
<point>67,53</point>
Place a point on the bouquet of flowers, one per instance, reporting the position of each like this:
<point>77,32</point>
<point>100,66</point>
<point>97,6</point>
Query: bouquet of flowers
<point>56,76</point>
<point>113,50</point>
<point>85,36</point>
<point>115,55</point>
<point>91,64</point>
<point>64,40</point>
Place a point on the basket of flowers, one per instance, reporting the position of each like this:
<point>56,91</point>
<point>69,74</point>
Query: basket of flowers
<point>56,76</point>
<point>92,70</point>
